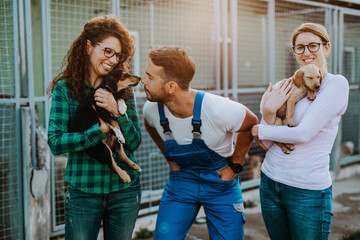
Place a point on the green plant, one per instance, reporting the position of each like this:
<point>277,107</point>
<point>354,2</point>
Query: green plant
<point>144,233</point>
<point>352,236</point>
<point>249,204</point>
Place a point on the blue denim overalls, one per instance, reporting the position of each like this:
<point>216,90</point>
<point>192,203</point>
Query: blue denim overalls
<point>198,183</point>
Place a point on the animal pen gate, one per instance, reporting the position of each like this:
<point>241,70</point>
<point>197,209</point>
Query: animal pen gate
<point>239,46</point>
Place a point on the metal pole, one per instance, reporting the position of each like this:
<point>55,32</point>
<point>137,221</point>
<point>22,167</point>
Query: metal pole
<point>217,45</point>
<point>271,46</point>
<point>225,62</point>
<point>234,49</point>
<point>17,59</point>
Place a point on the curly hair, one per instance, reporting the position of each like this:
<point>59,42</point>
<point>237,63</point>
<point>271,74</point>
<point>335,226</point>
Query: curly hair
<point>76,61</point>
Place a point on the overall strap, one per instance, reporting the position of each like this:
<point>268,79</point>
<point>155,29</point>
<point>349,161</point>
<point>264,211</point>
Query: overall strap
<point>164,122</point>
<point>196,121</point>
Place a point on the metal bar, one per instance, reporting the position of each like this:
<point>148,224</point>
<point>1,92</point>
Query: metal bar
<point>47,64</point>
<point>350,160</point>
<point>115,8</point>
<point>17,119</point>
<point>152,23</point>
<point>21,100</point>
<point>234,49</point>
<point>335,41</point>
<point>25,193</point>
<point>30,78</point>
<point>263,49</point>
<point>217,44</point>
<point>341,42</point>
<point>350,11</point>
<point>225,62</point>
<point>311,3</point>
<point>271,46</point>
<point>298,12</point>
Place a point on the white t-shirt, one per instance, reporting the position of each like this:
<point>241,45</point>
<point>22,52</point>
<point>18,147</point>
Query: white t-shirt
<point>221,117</point>
<point>307,167</point>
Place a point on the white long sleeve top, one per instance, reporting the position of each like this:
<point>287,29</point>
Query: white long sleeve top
<point>307,167</point>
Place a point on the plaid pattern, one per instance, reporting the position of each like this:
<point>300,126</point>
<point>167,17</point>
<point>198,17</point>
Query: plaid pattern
<point>83,172</point>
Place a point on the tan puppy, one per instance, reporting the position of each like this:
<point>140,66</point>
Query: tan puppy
<point>306,81</point>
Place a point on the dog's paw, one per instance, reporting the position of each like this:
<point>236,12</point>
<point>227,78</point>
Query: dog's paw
<point>135,167</point>
<point>292,125</point>
<point>286,150</point>
<point>289,146</point>
<point>122,106</point>
<point>123,175</point>
<point>311,98</point>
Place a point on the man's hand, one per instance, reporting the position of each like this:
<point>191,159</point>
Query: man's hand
<point>173,166</point>
<point>255,133</point>
<point>227,174</point>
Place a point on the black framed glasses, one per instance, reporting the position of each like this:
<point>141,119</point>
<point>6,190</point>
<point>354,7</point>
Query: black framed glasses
<point>313,47</point>
<point>109,52</point>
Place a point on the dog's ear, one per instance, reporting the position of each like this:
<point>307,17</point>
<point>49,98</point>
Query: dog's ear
<point>110,82</point>
<point>298,78</point>
<point>321,76</point>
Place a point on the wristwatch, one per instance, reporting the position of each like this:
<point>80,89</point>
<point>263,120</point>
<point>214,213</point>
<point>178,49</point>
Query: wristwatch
<point>236,167</point>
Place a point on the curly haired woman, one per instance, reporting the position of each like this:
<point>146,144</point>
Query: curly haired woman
<point>95,193</point>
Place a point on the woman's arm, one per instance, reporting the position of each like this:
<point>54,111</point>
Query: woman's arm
<point>60,139</point>
<point>331,101</point>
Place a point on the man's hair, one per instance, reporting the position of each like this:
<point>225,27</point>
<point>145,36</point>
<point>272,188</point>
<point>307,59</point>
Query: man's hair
<point>177,65</point>
<point>76,62</point>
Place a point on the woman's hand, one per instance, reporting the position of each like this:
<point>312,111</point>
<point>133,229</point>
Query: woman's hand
<point>276,96</point>
<point>106,100</point>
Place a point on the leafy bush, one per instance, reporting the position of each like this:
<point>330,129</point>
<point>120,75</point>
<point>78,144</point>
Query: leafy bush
<point>249,204</point>
<point>352,236</point>
<point>144,233</point>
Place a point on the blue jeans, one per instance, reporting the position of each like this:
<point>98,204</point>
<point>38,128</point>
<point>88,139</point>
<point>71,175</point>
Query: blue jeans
<point>294,213</point>
<point>182,198</point>
<point>118,211</point>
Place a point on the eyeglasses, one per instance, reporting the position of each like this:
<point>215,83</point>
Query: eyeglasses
<point>313,47</point>
<point>109,52</point>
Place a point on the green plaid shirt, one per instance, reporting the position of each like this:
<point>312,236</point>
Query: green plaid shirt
<point>82,171</point>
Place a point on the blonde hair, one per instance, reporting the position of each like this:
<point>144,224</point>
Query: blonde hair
<point>315,28</point>
<point>177,65</point>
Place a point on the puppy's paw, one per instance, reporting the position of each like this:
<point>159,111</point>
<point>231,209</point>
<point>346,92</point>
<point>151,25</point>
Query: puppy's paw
<point>289,146</point>
<point>122,107</point>
<point>124,176</point>
<point>292,124</point>
<point>135,167</point>
<point>285,150</point>
<point>311,98</point>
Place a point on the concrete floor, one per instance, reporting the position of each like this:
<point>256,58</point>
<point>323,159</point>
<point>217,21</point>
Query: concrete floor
<point>346,209</point>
